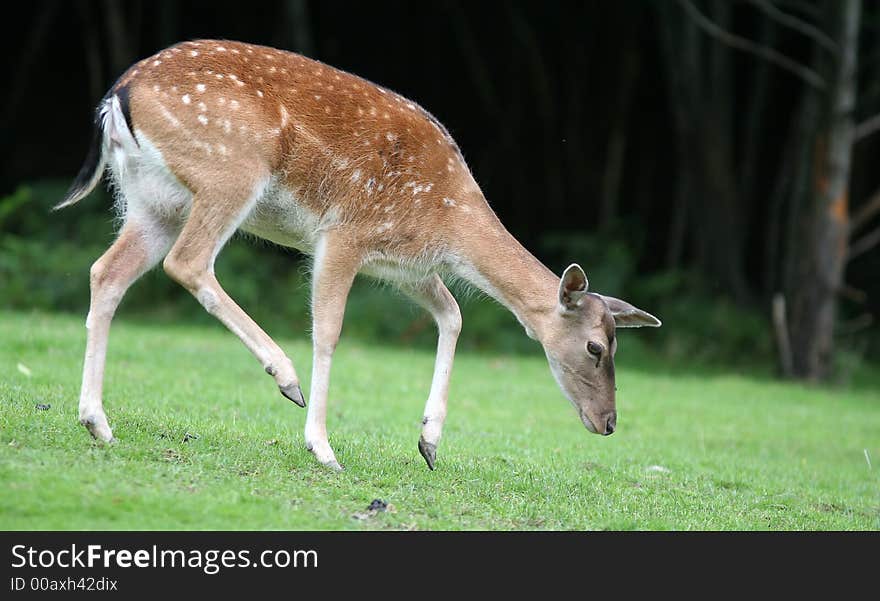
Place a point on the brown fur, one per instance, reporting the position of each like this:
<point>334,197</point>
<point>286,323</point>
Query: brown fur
<point>340,141</point>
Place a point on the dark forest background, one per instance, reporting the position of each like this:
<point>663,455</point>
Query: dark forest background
<point>713,161</point>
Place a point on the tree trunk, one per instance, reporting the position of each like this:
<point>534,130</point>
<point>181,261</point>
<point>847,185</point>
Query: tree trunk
<point>823,246</point>
<point>297,33</point>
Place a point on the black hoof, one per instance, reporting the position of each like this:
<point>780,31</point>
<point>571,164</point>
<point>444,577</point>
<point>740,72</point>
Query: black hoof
<point>428,451</point>
<point>294,393</point>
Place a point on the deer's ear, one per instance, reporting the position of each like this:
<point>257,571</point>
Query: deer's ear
<point>628,316</point>
<point>572,286</point>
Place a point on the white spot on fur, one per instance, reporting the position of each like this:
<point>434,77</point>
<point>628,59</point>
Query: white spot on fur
<point>449,202</point>
<point>193,52</point>
<point>156,88</point>
<point>186,99</point>
<point>356,175</point>
<point>220,49</point>
<point>234,104</point>
<point>202,119</point>
<point>369,185</point>
<point>203,146</point>
<point>227,126</point>
<point>317,97</point>
<point>387,225</point>
<point>390,137</point>
<point>203,107</point>
<point>200,87</point>
<point>169,116</point>
<point>259,93</point>
<point>157,63</point>
<point>284,116</point>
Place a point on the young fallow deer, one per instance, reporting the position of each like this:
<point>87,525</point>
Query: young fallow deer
<point>208,137</point>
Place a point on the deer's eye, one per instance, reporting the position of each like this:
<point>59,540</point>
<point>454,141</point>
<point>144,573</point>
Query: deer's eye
<point>594,348</point>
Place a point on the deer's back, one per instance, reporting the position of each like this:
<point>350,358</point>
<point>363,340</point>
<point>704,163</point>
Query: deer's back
<point>318,146</point>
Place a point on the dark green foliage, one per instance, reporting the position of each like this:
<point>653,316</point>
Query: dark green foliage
<point>45,258</point>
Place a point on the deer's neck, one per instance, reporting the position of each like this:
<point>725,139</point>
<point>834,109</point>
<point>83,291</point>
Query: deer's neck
<point>495,262</point>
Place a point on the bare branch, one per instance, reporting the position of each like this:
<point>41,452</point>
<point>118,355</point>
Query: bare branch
<point>798,25</point>
<point>866,128</point>
<point>740,43</point>
<point>854,294</point>
<point>863,244</point>
<point>804,8</point>
<point>865,212</point>
<point>853,326</point>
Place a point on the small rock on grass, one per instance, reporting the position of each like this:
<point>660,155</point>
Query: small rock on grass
<point>43,406</point>
<point>376,506</point>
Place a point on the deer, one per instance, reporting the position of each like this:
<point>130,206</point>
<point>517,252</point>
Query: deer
<point>209,137</point>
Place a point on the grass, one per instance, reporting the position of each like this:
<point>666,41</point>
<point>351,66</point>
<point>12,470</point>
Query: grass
<point>695,449</point>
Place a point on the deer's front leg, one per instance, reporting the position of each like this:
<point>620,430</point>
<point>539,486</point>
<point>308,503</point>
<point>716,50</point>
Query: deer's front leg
<point>336,264</point>
<point>434,296</point>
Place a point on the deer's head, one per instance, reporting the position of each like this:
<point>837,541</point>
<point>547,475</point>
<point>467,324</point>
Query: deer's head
<point>580,346</point>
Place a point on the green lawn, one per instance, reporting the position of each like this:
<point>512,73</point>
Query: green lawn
<point>694,450</point>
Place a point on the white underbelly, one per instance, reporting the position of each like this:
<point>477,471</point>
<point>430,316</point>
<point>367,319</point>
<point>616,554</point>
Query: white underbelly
<point>280,217</point>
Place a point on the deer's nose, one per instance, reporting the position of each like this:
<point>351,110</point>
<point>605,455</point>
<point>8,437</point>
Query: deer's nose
<point>610,423</point>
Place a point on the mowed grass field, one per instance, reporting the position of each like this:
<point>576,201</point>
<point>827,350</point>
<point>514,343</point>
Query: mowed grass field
<point>205,441</point>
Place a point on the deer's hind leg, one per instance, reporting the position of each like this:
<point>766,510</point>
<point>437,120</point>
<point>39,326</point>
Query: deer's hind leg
<point>142,242</point>
<point>213,219</point>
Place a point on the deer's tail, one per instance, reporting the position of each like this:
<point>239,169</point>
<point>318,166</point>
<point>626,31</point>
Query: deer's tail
<point>112,115</point>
